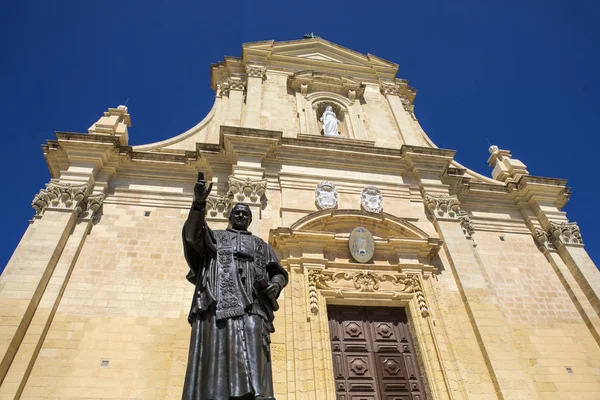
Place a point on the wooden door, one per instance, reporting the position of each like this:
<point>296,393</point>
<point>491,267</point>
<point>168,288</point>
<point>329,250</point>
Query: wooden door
<point>373,358</point>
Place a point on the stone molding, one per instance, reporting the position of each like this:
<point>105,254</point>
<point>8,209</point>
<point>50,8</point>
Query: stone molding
<point>443,207</point>
<point>60,196</point>
<point>246,190</point>
<point>364,281</point>
<point>564,233</point>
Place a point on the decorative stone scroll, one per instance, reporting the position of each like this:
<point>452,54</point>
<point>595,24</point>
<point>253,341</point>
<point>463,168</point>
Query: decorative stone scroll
<point>565,233</point>
<point>443,206</point>
<point>218,206</point>
<point>326,195</point>
<point>247,190</point>
<point>364,281</point>
<point>59,196</point>
<point>371,200</point>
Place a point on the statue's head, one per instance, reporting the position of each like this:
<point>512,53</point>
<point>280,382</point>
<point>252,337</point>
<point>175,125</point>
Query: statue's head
<point>240,216</point>
<point>328,108</point>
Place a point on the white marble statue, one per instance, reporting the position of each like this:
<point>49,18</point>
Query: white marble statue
<point>330,122</point>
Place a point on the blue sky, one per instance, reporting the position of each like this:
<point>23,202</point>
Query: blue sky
<point>523,74</point>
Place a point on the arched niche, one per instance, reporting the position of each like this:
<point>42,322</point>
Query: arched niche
<point>342,107</point>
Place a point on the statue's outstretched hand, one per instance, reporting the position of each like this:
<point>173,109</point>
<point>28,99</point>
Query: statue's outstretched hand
<point>201,192</point>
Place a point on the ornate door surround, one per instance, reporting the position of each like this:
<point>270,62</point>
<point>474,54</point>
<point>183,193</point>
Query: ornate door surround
<point>322,273</point>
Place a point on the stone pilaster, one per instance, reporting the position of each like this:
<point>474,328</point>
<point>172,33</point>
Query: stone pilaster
<point>400,98</point>
<point>234,88</point>
<point>540,201</point>
<point>498,348</point>
<point>31,267</point>
<point>253,107</point>
<point>49,297</point>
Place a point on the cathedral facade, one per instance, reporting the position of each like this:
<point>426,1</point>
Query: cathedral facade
<point>410,275</point>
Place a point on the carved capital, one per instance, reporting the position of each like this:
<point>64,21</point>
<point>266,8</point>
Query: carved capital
<point>59,196</point>
<point>542,239</point>
<point>247,190</point>
<point>236,83</point>
<point>564,233</point>
<point>218,206</point>
<point>91,206</point>
<point>390,88</point>
<point>443,207</point>
<point>367,282</point>
<point>255,71</point>
<point>229,84</point>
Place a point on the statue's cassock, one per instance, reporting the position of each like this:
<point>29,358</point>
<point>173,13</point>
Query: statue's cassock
<point>237,279</point>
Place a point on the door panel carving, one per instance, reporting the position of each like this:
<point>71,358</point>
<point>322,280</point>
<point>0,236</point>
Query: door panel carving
<point>372,355</point>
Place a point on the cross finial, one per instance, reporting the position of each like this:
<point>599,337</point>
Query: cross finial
<point>310,35</point>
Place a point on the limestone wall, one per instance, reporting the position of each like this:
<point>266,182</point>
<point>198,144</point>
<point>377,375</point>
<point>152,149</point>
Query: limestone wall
<point>503,300</point>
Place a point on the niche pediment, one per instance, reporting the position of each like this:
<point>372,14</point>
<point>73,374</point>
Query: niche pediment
<point>312,81</point>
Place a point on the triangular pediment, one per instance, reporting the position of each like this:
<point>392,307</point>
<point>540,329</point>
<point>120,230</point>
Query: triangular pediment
<point>319,55</point>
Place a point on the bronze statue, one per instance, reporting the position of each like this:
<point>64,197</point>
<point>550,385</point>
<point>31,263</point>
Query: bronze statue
<point>237,280</point>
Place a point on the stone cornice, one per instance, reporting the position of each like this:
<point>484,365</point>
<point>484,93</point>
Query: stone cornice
<point>536,188</point>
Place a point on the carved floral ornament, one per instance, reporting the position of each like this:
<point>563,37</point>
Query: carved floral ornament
<point>241,190</point>
<point>64,196</point>
<point>441,207</point>
<point>341,283</point>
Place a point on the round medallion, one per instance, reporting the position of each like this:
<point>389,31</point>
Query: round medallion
<point>361,245</point>
<point>326,195</point>
<point>371,199</point>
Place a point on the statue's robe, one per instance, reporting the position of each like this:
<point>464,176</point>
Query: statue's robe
<point>231,320</point>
